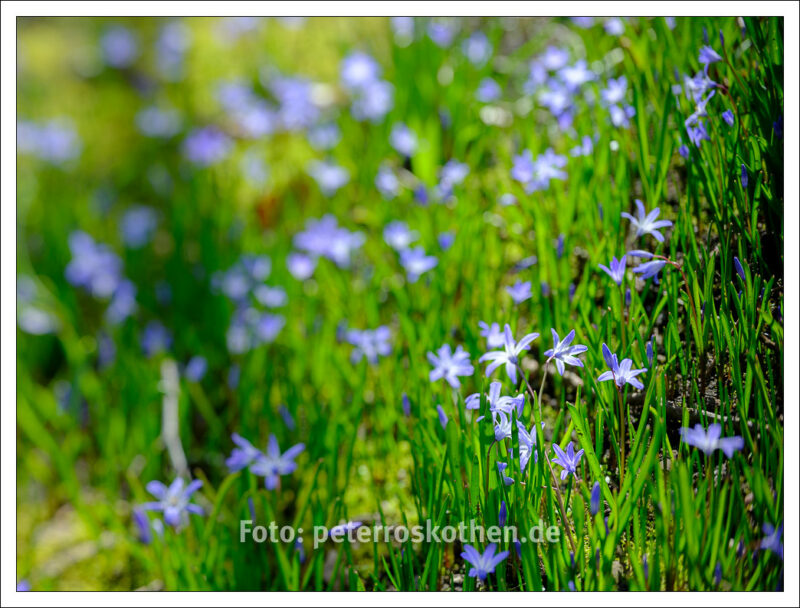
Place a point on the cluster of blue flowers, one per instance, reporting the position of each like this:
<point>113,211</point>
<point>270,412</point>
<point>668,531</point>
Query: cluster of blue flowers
<point>372,97</point>
<point>55,141</point>
<point>97,269</point>
<point>369,344</point>
<point>270,465</point>
<point>325,238</point>
<point>243,284</point>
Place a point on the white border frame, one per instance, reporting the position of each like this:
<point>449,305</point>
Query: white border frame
<point>11,10</point>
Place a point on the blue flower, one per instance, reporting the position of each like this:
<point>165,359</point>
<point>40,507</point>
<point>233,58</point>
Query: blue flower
<point>488,91</point>
<point>594,500</point>
<point>509,355</point>
<point>196,368</point>
<point>614,26</point>
<point>698,133</point>
<point>403,29</point>
<point>329,176</point>
<point>563,353</point>
<point>344,529</point>
<point>325,238</point>
<point>698,85</point>
<point>174,501</point>
<point>739,269</point>
<point>710,441</point>
<point>93,266</point>
<point>359,70</point>
<point>477,49</point>
<point>502,426</point>
<point>498,402</point>
<point>684,151</point>
<point>616,270</point>
<point>646,223</point>
<point>502,466</point>
<point>233,376</point>
<point>370,344</point>
<point>451,174</point>
<point>301,554</point>
<point>173,41</point>
<point>569,460</point>
<point>554,58</point>
<point>583,22</point>
<point>207,146</point>
<point>450,365</point>
<point>297,108</point>
<point>273,464</point>
<point>502,516</point>
<point>560,246</point>
<point>772,540</point>
<point>620,373</point>
<point>142,523</point>
<point>535,175</point>
<point>523,167</point>
<point>445,240</point>
<point>421,195</point>
<point>158,122</point>
<point>650,269</point>
<point>271,297</point>
<point>527,445</point>
<point>777,127</point>
<point>387,183</point>
<point>507,199</point>
<point>483,564</point>
<point>492,333</point>
<point>286,415</point>
<point>119,46</point>
<point>324,136</point>
<point>585,148</point>
<point>649,351</point>
<point>728,117</point>
<point>243,455</point>
<point>403,139</point>
<point>373,101</point>
<point>708,55</point>
<point>300,266</point>
<point>398,236</point>
<point>251,328</point>
<point>155,338</point>
<point>615,91</point>
<point>473,401</point>
<point>620,116</point>
<point>441,33</point>
<point>520,291</point>
<point>443,419</point>
<point>417,263</point>
<point>700,111</point>
<point>55,142</point>
<point>745,178</point>
<point>576,75</point>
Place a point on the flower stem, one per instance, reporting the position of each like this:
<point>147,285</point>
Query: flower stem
<point>623,424</point>
<point>541,388</point>
<point>540,442</point>
<point>622,314</point>
<point>569,491</point>
<point>488,464</point>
